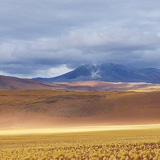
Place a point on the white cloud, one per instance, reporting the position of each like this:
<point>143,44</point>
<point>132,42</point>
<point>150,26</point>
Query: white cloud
<point>51,72</point>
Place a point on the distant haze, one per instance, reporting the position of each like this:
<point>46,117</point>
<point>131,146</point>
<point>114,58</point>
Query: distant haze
<point>49,38</point>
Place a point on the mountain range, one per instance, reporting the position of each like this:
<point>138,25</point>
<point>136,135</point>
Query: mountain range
<point>108,72</point>
<point>13,83</point>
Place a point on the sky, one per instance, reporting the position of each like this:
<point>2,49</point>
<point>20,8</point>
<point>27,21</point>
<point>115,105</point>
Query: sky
<point>46,38</point>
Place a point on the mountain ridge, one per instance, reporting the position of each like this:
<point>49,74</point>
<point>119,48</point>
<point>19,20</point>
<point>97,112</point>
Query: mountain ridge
<point>108,72</point>
<point>14,83</point>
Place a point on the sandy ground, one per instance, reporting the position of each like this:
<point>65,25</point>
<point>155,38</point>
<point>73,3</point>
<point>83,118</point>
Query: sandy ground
<point>27,131</point>
<point>47,109</point>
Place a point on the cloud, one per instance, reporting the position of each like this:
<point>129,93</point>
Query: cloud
<point>47,73</point>
<point>47,38</point>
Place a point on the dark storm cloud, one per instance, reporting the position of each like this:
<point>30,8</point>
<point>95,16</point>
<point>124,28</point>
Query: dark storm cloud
<point>40,36</point>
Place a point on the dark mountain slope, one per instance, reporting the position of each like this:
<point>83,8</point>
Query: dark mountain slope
<point>108,72</point>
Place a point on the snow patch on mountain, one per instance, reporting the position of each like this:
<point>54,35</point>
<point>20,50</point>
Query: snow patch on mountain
<point>95,74</point>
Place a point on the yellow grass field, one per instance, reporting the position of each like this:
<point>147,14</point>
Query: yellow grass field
<point>137,143</point>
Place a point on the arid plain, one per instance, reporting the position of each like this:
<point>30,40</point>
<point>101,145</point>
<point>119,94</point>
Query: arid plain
<point>76,121</point>
<point>49,108</point>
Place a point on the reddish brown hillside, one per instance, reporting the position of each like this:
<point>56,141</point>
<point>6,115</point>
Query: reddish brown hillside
<point>18,83</point>
<point>14,83</point>
<point>47,108</point>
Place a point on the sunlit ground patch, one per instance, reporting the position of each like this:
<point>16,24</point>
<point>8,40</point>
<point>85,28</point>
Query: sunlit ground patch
<point>76,129</point>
